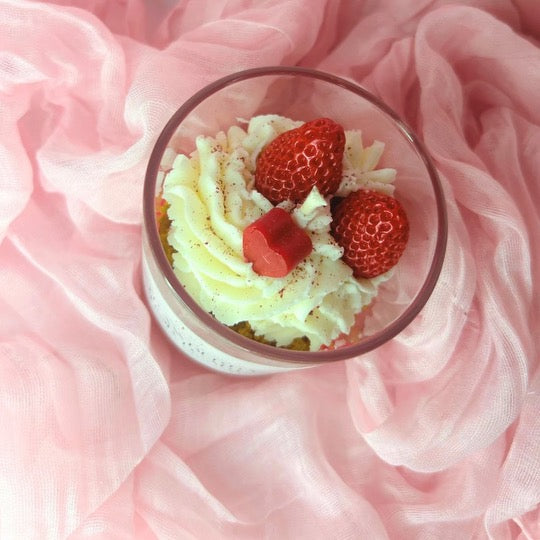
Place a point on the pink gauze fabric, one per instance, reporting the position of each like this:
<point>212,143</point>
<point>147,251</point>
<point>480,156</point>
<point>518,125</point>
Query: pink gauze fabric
<point>107,432</point>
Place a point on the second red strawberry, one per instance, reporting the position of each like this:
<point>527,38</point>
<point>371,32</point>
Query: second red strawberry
<point>373,230</point>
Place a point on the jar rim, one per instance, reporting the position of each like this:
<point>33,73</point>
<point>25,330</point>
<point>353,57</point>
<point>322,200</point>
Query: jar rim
<point>263,350</point>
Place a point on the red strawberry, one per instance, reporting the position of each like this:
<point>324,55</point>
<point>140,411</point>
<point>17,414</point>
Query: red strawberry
<point>298,159</point>
<point>373,229</point>
<point>275,244</point>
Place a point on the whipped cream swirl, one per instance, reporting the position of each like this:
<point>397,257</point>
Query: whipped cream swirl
<point>212,201</point>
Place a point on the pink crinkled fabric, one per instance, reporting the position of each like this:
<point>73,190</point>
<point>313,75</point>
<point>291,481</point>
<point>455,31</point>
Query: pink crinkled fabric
<point>109,433</point>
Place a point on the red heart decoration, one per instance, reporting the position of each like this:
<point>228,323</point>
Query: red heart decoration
<point>275,244</point>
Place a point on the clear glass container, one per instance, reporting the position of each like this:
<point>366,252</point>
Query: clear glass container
<point>300,94</point>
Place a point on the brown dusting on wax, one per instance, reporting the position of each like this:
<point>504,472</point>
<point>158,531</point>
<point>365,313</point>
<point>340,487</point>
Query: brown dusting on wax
<point>243,328</point>
<point>164,224</point>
